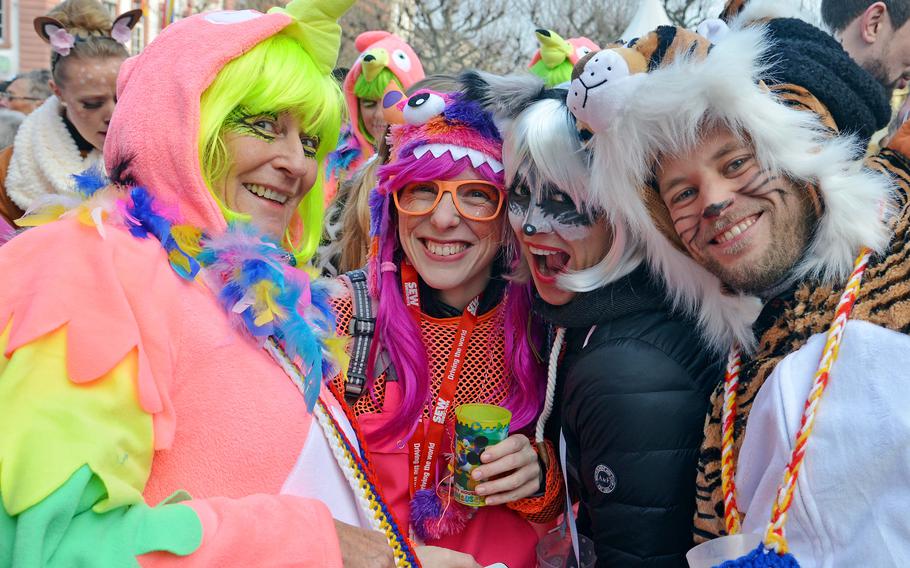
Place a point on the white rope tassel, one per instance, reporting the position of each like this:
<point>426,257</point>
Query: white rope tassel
<point>551,384</point>
<point>350,474</point>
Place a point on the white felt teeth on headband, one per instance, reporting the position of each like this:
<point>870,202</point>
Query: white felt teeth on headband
<point>458,152</point>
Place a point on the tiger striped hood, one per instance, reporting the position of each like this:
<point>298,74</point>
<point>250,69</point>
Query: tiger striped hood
<point>640,115</point>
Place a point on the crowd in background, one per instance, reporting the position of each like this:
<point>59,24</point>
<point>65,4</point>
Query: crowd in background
<point>245,294</point>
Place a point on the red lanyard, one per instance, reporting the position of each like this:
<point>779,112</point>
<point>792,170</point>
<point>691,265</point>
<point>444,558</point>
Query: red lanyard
<point>424,448</point>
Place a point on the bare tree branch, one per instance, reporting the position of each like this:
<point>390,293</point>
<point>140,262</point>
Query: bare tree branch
<point>600,21</point>
<point>495,35</point>
<point>690,13</point>
<point>450,36</point>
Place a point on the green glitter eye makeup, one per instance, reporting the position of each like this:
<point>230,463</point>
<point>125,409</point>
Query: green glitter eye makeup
<point>310,145</point>
<point>266,126</point>
<point>263,125</point>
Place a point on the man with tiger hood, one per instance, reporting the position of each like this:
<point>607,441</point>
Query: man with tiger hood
<point>747,187</point>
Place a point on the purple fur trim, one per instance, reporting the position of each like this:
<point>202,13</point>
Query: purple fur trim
<point>376,201</point>
<point>471,114</point>
<point>432,520</point>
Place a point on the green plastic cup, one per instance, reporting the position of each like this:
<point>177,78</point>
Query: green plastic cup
<point>476,427</point>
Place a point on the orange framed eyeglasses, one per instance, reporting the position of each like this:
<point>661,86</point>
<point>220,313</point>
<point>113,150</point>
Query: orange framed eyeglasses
<point>474,199</point>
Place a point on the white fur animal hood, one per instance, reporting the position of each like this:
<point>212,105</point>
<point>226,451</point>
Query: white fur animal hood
<point>636,116</point>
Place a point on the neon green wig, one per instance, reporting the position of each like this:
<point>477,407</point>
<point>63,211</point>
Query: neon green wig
<point>276,76</point>
<point>373,90</point>
<point>558,75</point>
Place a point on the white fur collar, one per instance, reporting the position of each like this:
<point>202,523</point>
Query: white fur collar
<point>44,158</point>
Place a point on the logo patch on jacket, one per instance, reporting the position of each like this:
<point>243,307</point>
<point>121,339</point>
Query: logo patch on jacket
<point>604,479</point>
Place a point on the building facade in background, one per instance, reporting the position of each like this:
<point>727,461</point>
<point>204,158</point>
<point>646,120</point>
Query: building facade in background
<point>22,50</point>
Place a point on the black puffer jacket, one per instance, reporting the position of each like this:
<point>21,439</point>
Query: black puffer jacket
<point>632,405</point>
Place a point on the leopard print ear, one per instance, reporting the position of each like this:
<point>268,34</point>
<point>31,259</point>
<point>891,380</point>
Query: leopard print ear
<point>732,9</point>
<point>602,81</point>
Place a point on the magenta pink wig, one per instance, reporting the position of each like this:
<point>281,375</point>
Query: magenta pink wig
<point>407,351</point>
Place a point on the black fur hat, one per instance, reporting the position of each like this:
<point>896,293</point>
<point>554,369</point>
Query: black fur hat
<point>803,55</point>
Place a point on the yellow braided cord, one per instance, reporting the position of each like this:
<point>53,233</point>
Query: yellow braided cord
<point>355,473</point>
<point>367,491</point>
<point>774,534</point>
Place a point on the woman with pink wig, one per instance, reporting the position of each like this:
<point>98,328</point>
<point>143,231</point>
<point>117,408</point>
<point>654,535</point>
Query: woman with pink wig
<point>440,250</point>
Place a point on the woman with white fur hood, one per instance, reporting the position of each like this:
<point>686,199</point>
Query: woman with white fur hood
<point>765,224</point>
<point>632,386</point>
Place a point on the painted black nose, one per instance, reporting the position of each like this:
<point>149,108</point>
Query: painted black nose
<point>369,58</point>
<point>529,229</point>
<point>715,209</point>
<point>543,32</point>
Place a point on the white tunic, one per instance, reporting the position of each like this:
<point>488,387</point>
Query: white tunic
<point>851,506</point>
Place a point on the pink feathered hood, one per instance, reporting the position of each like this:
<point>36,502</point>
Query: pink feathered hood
<point>155,127</point>
<point>400,60</point>
<point>156,123</point>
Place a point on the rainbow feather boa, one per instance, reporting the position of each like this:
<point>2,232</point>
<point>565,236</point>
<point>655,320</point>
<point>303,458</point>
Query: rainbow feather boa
<point>255,281</point>
<point>254,278</point>
<point>344,155</point>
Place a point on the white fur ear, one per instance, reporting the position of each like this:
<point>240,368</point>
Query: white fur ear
<point>597,96</point>
<point>503,95</point>
<point>714,29</point>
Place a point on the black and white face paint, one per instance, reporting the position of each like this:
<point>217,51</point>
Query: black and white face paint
<point>538,209</point>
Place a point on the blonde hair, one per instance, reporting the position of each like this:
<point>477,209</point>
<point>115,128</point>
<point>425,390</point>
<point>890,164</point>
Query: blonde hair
<point>90,23</point>
<point>355,220</point>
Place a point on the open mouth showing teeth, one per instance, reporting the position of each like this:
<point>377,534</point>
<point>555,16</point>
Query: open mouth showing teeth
<point>735,230</point>
<point>445,249</point>
<point>549,262</point>
<point>266,193</point>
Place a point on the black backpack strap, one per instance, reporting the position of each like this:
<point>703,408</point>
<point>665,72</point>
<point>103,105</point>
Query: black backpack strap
<point>363,326</point>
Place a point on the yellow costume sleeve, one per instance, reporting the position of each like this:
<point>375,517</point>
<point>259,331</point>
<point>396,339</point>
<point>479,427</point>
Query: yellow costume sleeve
<point>50,426</point>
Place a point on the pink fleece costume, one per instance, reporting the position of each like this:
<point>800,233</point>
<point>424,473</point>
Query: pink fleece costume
<point>353,148</point>
<point>122,383</point>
